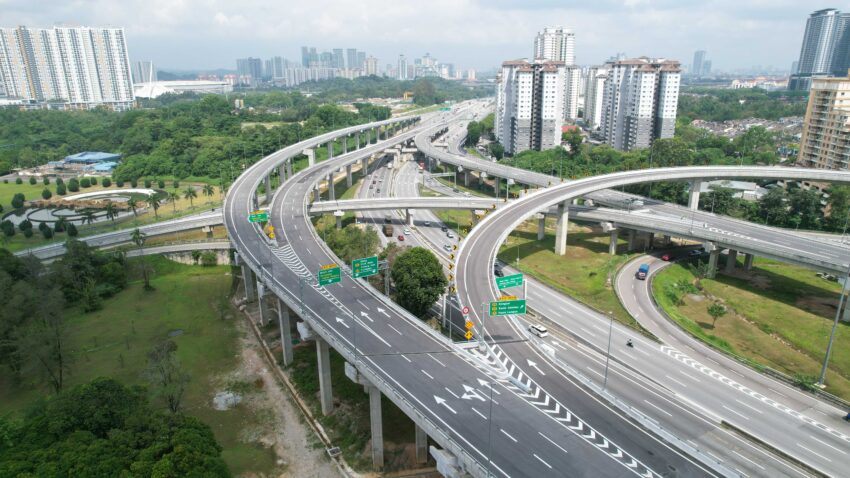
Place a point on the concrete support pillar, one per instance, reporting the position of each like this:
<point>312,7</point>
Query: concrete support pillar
<point>712,263</point>
<point>325,392</point>
<point>466,178</point>
<point>364,166</point>
<point>267,185</point>
<point>667,240</point>
<point>248,279</point>
<point>356,140</point>
<point>311,156</point>
<point>421,445</point>
<point>317,195</point>
<point>650,243</point>
<point>561,229</point>
<point>285,331</point>
<point>348,180</point>
<point>612,245</point>
<point>748,262</point>
<point>288,169</point>
<point>331,192</point>
<point>345,144</point>
<point>631,245</point>
<point>265,313</point>
<point>281,174</point>
<point>408,217</point>
<point>330,149</point>
<point>693,196</point>
<point>541,226</point>
<point>255,201</point>
<point>731,260</point>
<point>377,427</point>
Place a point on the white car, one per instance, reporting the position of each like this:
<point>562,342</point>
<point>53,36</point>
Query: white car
<point>406,231</point>
<point>538,330</point>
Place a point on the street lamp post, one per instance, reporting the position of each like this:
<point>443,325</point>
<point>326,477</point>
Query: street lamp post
<point>608,354</point>
<point>834,327</point>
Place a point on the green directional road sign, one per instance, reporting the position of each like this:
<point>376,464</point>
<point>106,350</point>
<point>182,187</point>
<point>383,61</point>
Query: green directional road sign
<point>509,281</point>
<point>364,267</point>
<point>507,307</point>
<point>258,216</point>
<point>329,274</point>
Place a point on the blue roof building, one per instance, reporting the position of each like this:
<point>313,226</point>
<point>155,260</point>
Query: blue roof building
<point>90,157</point>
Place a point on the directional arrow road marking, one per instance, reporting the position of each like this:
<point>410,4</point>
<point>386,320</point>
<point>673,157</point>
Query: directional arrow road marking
<point>383,311</point>
<point>535,367</point>
<point>342,322</point>
<point>442,401</point>
<point>485,383</point>
<point>471,393</point>
<point>364,314</point>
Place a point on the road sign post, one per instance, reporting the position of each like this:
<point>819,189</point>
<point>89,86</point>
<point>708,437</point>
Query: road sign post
<point>507,307</point>
<point>509,281</point>
<point>258,216</point>
<point>329,274</point>
<point>364,267</point>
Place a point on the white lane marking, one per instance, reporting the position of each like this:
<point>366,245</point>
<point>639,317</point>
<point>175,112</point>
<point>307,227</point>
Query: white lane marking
<point>541,461</point>
<point>508,435</point>
<point>426,374</point>
<point>686,374</point>
<point>588,332</point>
<point>478,413</point>
<point>658,408</point>
<point>558,344</point>
<point>552,442</point>
<point>396,330</point>
<point>309,252</point>
<point>594,371</point>
<point>408,360</point>
<point>751,461</point>
<point>451,393</point>
<point>778,393</point>
<point>675,381</point>
<point>750,407</point>
<point>827,444</point>
<point>742,473</point>
<point>736,413</point>
<point>364,305</point>
<point>434,359</point>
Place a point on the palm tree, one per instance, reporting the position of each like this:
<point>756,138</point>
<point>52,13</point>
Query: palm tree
<point>173,197</point>
<point>208,191</point>
<point>138,237</point>
<point>133,207</point>
<point>88,216</point>
<point>189,193</point>
<point>111,212</point>
<point>153,202</point>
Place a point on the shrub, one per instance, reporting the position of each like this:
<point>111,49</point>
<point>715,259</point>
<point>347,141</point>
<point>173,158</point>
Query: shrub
<point>47,232</point>
<point>134,183</point>
<point>60,181</point>
<point>18,200</point>
<point>8,228</point>
<point>160,184</point>
<point>72,230</point>
<point>148,183</point>
<point>208,259</point>
<point>85,183</point>
<point>73,185</point>
<point>46,194</point>
<point>33,180</point>
<point>93,180</point>
<point>119,183</point>
<point>176,184</point>
<point>5,181</point>
<point>19,181</point>
<point>28,233</point>
<point>60,189</point>
<point>106,182</point>
<point>45,181</point>
<point>24,225</point>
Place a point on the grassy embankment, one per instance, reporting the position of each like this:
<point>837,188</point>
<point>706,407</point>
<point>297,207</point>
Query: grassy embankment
<point>114,342</point>
<point>779,316</point>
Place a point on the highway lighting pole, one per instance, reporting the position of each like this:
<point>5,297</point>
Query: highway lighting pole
<point>834,327</point>
<point>490,432</point>
<point>608,355</point>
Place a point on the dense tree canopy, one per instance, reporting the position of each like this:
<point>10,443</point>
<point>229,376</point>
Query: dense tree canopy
<point>715,104</point>
<point>419,280</point>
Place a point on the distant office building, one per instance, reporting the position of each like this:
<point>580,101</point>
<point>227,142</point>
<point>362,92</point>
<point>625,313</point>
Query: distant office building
<point>826,127</point>
<point>640,100</point>
<point>706,67</point>
<point>594,94</point>
<point>825,50</point>
<point>470,74</point>
<point>371,65</point>
<point>529,105</point>
<point>361,59</point>
<point>67,67</point>
<point>402,68</point>
<point>698,64</point>
<point>351,57</point>
<point>558,44</point>
<point>143,72</point>
<point>250,70</point>
<point>338,60</point>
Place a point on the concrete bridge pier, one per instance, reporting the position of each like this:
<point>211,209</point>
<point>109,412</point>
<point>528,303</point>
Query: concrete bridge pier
<point>289,168</point>
<point>331,192</point>
<point>612,244</point>
<point>364,166</point>
<point>248,279</point>
<point>713,252</point>
<point>348,180</point>
<point>325,391</point>
<point>255,201</point>
<point>421,445</point>
<point>311,156</point>
<point>466,178</point>
<point>667,240</point>
<point>317,195</point>
<point>541,226</point>
<point>693,195</point>
<point>356,140</point>
<point>561,229</point>
<point>345,144</point>
<point>285,331</point>
<point>331,149</point>
<point>651,241</point>
<point>731,260</point>
<point>748,262</point>
<point>267,185</point>
<point>631,239</point>
<point>408,217</point>
<point>281,174</point>
<point>376,424</point>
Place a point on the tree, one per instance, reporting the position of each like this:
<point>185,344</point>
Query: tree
<point>40,342</point>
<point>47,232</point>
<point>18,200</point>
<point>61,225</point>
<point>173,197</point>
<point>7,227</point>
<point>424,93</point>
<point>60,189</point>
<point>18,180</point>
<point>772,206</point>
<point>190,194</point>
<point>473,133</point>
<point>176,184</point>
<point>32,180</point>
<point>46,194</point>
<point>160,184</point>
<point>45,181</point>
<point>208,191</point>
<point>165,373</point>
<point>806,204</point>
<point>85,183</point>
<point>88,216</point>
<point>106,182</point>
<point>419,280</point>
<point>93,180</point>
<point>719,201</point>
<point>573,139</point>
<point>73,185</point>
<point>497,150</point>
<point>138,237</point>
<point>148,183</point>
<point>716,310</point>
<point>209,259</point>
<point>153,202</point>
<point>72,230</point>
<point>111,211</point>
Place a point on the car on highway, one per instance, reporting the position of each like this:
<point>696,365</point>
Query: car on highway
<point>642,271</point>
<point>538,330</point>
<point>388,219</point>
<point>444,228</point>
<point>497,270</point>
<point>449,234</point>
<point>696,252</point>
<point>447,247</point>
<point>427,223</point>
<point>666,257</point>
<point>401,237</point>
<point>406,231</point>
<point>378,190</point>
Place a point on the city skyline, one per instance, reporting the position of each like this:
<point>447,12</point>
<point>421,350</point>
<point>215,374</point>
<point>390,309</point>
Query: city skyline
<point>194,35</point>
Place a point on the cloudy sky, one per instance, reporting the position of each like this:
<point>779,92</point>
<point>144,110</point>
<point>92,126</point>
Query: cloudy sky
<point>209,34</point>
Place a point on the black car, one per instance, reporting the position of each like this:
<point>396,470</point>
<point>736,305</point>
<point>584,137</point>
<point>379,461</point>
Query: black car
<point>497,271</point>
<point>444,228</point>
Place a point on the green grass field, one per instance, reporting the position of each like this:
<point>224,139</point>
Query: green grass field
<point>114,342</point>
<point>779,316</point>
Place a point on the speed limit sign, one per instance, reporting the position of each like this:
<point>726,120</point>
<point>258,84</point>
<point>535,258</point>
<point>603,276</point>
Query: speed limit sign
<point>465,310</point>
